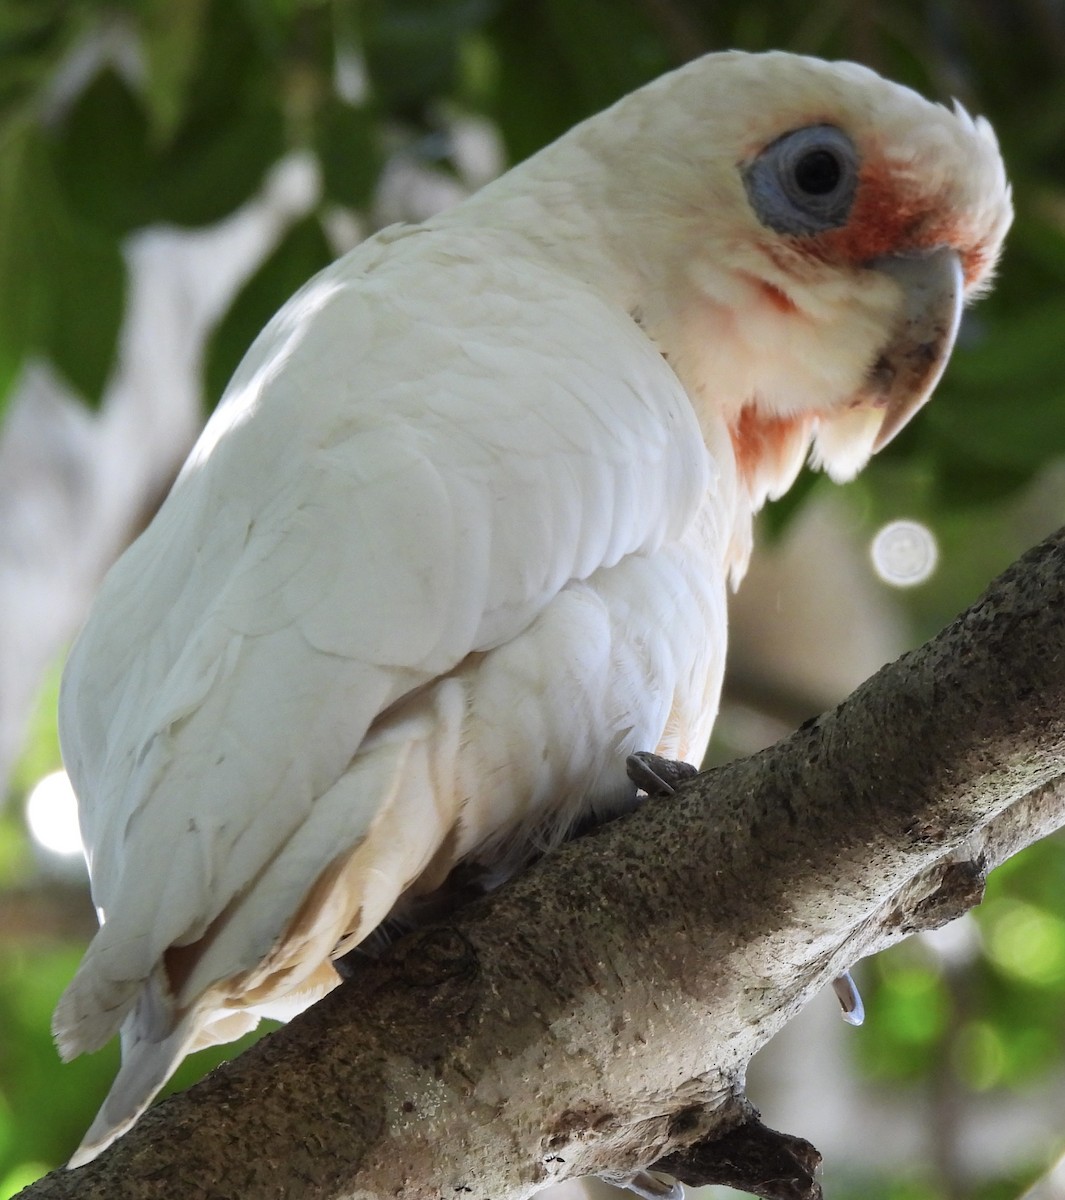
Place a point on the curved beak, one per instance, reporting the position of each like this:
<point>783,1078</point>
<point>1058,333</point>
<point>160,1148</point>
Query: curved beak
<point>909,366</point>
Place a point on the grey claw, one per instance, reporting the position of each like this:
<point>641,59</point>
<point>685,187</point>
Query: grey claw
<point>650,1187</point>
<point>850,999</point>
<point>655,775</point>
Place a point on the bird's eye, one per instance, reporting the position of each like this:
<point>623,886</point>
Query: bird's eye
<point>818,173</point>
<point>805,181</point>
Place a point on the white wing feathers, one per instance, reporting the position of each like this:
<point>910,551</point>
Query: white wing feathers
<point>395,482</point>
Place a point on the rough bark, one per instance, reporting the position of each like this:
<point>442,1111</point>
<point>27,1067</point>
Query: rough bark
<point>597,1015</point>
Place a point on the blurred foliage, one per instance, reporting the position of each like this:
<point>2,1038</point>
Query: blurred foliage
<point>116,114</point>
<point>979,1014</point>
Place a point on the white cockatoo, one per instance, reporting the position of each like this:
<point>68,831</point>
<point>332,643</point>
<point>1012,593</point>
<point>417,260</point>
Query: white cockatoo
<point>458,538</point>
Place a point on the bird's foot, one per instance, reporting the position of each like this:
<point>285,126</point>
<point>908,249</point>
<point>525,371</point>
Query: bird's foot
<point>655,775</point>
<point>850,999</point>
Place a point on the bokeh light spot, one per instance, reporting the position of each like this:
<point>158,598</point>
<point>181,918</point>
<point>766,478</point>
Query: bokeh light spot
<point>1027,943</point>
<point>979,1056</point>
<point>904,553</point>
<point>52,814</point>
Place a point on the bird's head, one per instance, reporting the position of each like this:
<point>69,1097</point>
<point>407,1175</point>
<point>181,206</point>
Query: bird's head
<point>799,237</point>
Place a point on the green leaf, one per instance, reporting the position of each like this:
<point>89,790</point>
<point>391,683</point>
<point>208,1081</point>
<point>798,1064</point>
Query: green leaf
<point>232,130</point>
<point>537,98</point>
<point>34,36</point>
<point>222,79</point>
<point>100,153</point>
<point>964,480</point>
<point>412,47</point>
<point>1013,351</point>
<point>1002,402</point>
<point>1016,428</point>
<point>119,174</point>
<point>301,253</point>
<point>561,61</point>
<point>1036,244</point>
<point>62,283</point>
<point>172,37</point>
<point>87,301</point>
<point>215,165</point>
<point>350,152</point>
<point>194,146</point>
<point>611,48</point>
<point>22,291</point>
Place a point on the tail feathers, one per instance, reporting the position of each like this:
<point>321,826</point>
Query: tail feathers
<point>272,945</point>
<point>149,1058</point>
<point>91,1010</point>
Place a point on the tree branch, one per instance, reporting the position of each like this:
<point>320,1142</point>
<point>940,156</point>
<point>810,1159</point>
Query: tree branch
<point>597,1015</point>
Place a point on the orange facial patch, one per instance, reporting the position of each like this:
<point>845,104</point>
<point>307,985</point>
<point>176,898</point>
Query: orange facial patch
<point>765,446</point>
<point>886,217</point>
<point>781,301</point>
<point>775,297</point>
<point>890,215</point>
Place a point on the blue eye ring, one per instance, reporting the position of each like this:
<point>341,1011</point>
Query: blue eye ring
<point>804,182</point>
